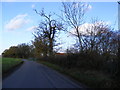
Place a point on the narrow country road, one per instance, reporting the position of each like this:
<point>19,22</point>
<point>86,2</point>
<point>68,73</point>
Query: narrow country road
<point>34,75</point>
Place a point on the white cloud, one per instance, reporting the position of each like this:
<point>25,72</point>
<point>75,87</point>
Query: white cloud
<point>87,28</point>
<point>17,22</point>
<point>108,23</point>
<point>32,28</point>
<point>82,29</point>
<point>33,5</point>
<point>89,7</point>
<point>86,6</point>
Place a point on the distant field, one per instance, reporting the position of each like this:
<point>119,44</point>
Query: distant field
<point>8,63</point>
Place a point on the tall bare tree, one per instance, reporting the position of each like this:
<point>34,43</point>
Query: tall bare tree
<point>73,13</point>
<point>48,29</point>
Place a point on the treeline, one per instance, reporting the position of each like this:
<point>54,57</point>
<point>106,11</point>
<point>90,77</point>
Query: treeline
<point>19,51</point>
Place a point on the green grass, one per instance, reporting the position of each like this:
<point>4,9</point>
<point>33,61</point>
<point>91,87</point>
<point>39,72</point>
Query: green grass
<point>9,63</point>
<point>90,78</point>
<point>56,67</point>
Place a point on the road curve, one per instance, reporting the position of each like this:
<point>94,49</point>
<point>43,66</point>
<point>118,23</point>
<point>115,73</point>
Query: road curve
<point>34,75</point>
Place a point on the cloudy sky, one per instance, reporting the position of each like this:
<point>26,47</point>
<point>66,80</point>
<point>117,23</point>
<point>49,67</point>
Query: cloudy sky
<point>19,19</point>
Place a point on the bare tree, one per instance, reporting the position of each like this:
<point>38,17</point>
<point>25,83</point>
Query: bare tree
<point>98,37</point>
<point>74,16</point>
<point>48,29</point>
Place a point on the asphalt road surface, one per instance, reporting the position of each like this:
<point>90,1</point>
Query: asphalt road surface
<point>34,75</point>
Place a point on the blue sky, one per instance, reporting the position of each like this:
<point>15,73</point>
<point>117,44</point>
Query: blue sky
<point>18,20</point>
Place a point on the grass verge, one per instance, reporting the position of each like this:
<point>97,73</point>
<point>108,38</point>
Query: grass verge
<point>90,78</point>
<point>10,63</point>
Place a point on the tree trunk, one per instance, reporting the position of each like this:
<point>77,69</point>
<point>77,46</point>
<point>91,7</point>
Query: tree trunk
<point>51,47</point>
